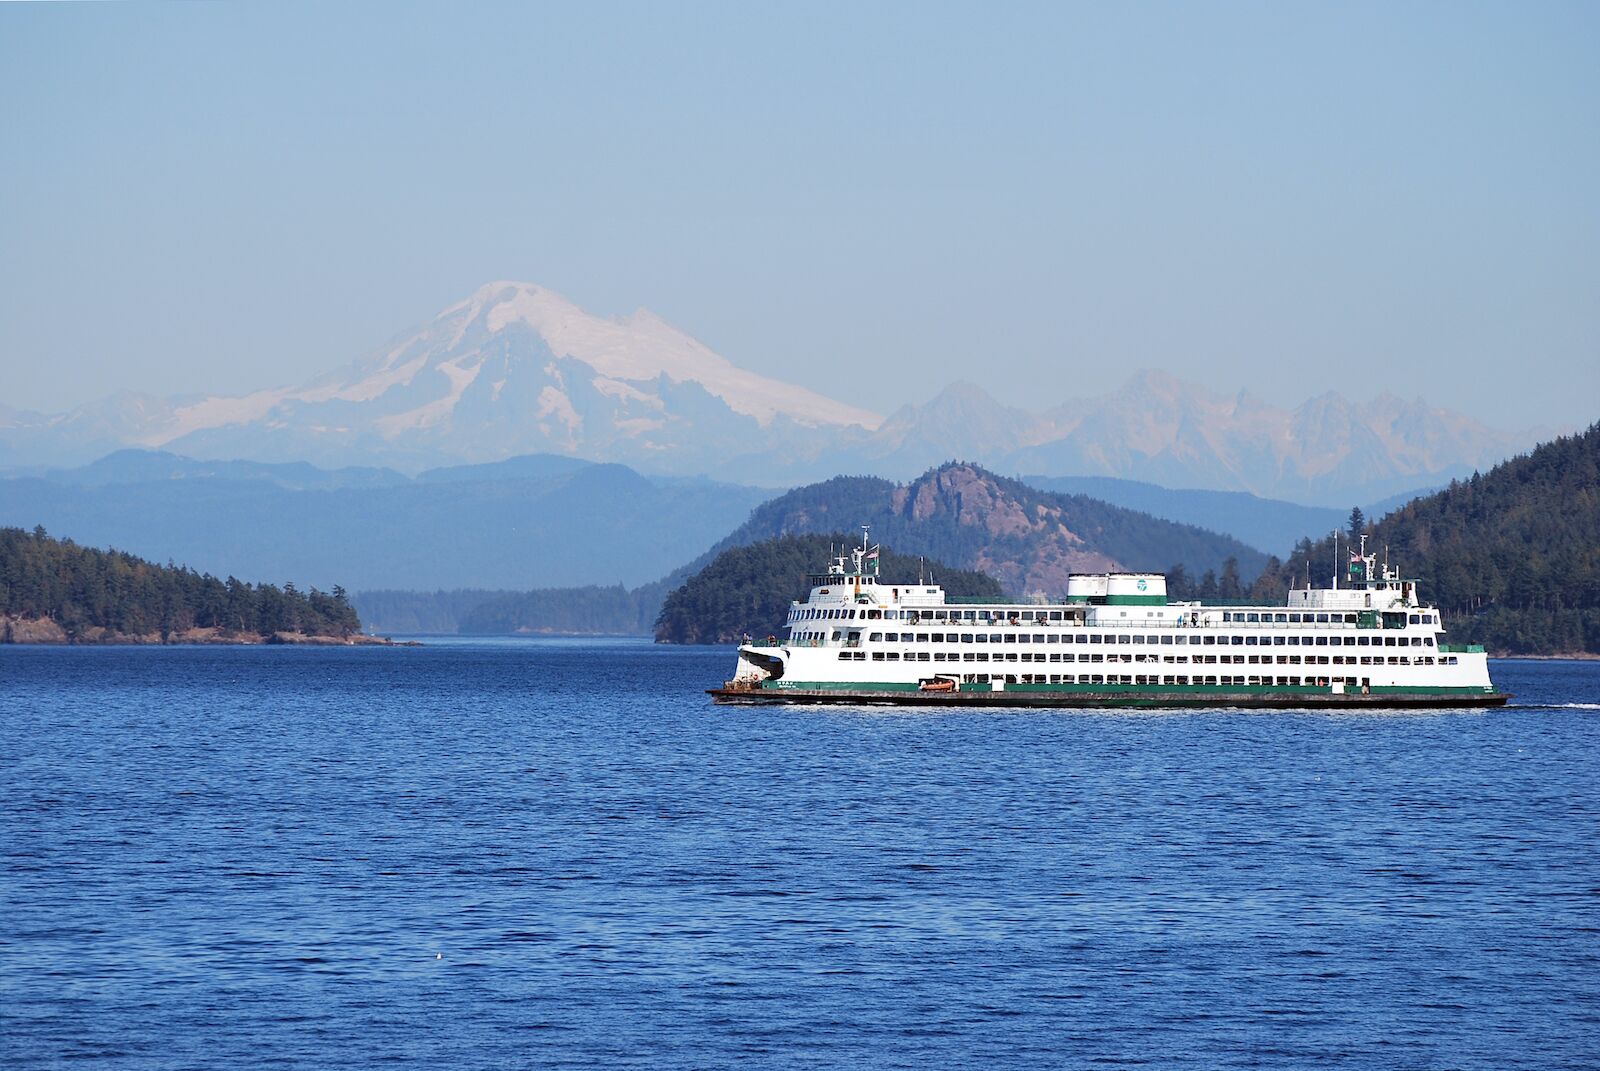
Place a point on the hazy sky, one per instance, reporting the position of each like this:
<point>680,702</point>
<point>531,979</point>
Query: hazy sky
<point>220,197</point>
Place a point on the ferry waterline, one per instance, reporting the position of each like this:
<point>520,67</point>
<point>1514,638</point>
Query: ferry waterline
<point>1115,639</point>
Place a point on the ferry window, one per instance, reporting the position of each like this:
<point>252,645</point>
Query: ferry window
<point>983,656</point>
<point>1124,638</point>
<point>877,656</point>
<point>1427,619</point>
<point>1038,637</point>
<point>1322,619</point>
<point>1252,640</point>
<point>966,637</point>
<point>875,637</point>
<point>894,656</point>
<point>922,637</point>
<point>844,656</point>
<point>1416,619</point>
<point>1055,615</point>
<point>1278,617</point>
<point>1012,637</point>
<point>1278,640</point>
<point>995,637</point>
<point>1252,617</point>
<point>874,615</point>
<point>1427,641</point>
<point>1294,619</point>
<point>937,637</point>
<point>1322,641</point>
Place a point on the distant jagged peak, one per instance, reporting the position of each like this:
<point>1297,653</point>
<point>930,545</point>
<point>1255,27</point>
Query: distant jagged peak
<point>962,398</point>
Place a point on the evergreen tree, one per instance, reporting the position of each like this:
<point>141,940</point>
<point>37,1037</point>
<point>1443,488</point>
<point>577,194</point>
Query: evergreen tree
<point>1356,526</point>
<point>1229,586</point>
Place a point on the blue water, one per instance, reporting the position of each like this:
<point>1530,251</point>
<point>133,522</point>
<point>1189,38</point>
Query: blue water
<point>549,854</point>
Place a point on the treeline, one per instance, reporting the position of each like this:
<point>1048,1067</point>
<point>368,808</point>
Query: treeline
<point>82,588</point>
<point>590,610</point>
<point>1210,586</point>
<point>1511,556</point>
<point>594,610</point>
<point>421,612</point>
<point>747,590</point>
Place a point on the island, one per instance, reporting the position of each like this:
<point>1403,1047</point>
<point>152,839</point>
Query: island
<point>55,591</point>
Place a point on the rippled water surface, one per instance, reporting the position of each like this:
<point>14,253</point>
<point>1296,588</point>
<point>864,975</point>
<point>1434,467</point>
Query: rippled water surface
<point>551,854</point>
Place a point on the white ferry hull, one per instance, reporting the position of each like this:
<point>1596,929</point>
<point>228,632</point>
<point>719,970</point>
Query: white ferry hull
<point>1113,640</point>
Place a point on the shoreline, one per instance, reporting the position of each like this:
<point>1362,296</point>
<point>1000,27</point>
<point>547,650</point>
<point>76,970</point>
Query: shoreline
<point>43,632</point>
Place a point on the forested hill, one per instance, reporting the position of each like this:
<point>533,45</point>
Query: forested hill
<point>747,590</point>
<point>52,590</point>
<point>1512,556</point>
<point>1028,539</point>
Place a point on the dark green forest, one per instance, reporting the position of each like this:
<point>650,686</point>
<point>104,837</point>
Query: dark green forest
<point>747,590</point>
<point>1511,556</point>
<point>82,588</point>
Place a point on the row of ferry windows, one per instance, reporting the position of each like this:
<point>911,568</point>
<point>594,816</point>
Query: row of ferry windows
<point>1113,678</point>
<point>1238,617</point>
<point>1132,638</point>
<point>1031,617</point>
<point>848,655</point>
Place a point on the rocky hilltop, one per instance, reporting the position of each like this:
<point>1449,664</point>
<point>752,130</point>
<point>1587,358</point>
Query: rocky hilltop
<point>966,516</point>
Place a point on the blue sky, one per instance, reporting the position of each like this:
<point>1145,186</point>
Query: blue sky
<point>1280,197</point>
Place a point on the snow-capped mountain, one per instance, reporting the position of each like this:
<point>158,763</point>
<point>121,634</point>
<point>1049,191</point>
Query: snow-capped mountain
<point>1158,429</point>
<point>513,369</point>
<point>517,369</point>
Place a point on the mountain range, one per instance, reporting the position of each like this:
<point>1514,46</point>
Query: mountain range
<point>517,369</point>
<point>524,523</point>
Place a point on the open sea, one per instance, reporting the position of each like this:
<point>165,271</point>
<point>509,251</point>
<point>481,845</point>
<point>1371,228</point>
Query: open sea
<point>559,854</point>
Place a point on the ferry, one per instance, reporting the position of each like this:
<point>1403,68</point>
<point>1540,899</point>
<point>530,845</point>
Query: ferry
<point>1112,640</point>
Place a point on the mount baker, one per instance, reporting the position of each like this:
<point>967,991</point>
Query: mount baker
<point>516,369</point>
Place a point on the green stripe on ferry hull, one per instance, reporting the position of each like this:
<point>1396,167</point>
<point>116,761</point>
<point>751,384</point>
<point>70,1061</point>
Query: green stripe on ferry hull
<point>1110,695</point>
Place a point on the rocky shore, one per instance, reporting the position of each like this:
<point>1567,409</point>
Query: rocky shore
<point>43,630</point>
